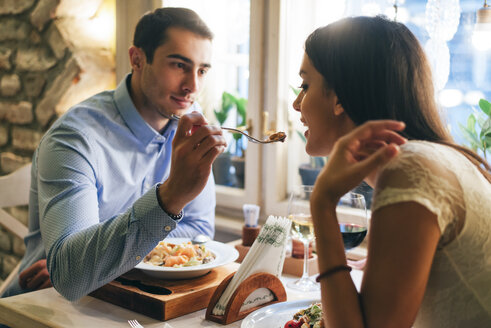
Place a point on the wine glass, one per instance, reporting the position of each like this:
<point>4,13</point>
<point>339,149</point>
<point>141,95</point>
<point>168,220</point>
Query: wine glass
<point>352,218</point>
<point>302,229</point>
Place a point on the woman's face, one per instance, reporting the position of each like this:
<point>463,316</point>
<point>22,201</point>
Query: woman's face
<point>321,112</point>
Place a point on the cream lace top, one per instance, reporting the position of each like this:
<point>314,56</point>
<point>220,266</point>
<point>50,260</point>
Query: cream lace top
<point>449,185</point>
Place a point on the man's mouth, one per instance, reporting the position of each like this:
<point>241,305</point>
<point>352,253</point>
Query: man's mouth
<point>182,102</point>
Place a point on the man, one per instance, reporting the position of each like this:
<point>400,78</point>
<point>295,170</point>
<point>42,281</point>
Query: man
<point>96,198</point>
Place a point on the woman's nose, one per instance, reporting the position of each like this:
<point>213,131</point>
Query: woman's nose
<point>297,101</point>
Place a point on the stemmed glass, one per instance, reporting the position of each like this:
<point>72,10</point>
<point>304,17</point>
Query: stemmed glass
<point>302,229</point>
<point>352,219</point>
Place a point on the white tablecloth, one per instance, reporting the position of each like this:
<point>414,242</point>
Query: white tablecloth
<point>47,308</point>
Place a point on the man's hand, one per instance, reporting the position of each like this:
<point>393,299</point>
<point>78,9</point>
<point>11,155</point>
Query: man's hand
<point>35,277</point>
<point>193,152</point>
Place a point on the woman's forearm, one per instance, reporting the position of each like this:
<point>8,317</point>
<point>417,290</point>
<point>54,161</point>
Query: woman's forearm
<point>340,299</point>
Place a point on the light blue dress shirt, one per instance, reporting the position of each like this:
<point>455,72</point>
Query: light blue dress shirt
<point>93,195</point>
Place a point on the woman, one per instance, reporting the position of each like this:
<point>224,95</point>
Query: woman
<point>366,90</point>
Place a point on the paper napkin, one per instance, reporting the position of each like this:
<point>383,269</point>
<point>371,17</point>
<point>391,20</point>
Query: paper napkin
<point>267,254</point>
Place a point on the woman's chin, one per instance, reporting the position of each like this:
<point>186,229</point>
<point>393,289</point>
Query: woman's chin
<point>312,151</point>
<point>316,149</point>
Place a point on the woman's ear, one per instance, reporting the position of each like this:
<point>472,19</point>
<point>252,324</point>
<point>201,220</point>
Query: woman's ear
<point>338,108</point>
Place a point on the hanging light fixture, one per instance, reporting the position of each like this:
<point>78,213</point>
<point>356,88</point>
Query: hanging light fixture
<point>442,19</point>
<point>481,37</point>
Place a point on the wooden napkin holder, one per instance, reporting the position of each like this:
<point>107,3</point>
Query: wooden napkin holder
<point>255,281</point>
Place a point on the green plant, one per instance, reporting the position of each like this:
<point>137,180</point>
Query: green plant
<point>229,101</point>
<point>296,91</point>
<point>241,106</point>
<point>479,138</point>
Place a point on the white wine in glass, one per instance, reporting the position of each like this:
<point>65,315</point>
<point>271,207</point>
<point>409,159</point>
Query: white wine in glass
<point>303,230</point>
<point>302,226</point>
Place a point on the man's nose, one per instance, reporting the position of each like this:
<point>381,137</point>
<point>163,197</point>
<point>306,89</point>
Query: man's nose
<point>191,83</point>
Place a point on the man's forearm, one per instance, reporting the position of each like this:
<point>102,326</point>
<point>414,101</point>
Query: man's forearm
<point>89,258</point>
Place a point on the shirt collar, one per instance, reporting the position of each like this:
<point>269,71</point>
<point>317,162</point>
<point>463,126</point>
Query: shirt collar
<point>135,122</point>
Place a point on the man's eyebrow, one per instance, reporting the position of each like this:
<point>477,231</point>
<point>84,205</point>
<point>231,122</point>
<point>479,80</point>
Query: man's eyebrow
<point>187,60</point>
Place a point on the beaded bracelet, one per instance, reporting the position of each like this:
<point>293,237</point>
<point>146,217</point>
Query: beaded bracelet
<point>172,216</point>
<point>332,271</point>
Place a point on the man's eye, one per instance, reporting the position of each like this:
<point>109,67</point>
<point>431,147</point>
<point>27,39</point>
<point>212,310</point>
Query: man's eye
<point>304,86</point>
<point>203,71</point>
<point>180,65</point>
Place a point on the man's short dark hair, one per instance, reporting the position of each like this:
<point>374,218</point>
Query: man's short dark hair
<point>151,30</point>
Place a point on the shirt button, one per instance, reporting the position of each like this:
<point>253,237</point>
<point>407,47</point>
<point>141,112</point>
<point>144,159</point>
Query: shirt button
<point>138,258</point>
<point>167,228</point>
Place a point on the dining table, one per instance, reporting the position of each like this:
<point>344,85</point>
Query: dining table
<point>47,308</point>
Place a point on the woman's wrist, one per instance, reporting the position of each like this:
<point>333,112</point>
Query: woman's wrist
<point>333,270</point>
<point>321,201</point>
<point>329,242</point>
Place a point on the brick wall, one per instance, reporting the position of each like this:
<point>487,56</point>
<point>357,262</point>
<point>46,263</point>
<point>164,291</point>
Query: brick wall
<point>47,64</point>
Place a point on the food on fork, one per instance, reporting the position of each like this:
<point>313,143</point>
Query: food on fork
<point>278,136</point>
<point>177,256</point>
<point>310,317</point>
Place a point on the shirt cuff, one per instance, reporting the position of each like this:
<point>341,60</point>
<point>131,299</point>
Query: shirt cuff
<point>148,212</point>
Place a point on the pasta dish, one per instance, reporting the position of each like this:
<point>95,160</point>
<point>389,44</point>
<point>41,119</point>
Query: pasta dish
<point>179,255</point>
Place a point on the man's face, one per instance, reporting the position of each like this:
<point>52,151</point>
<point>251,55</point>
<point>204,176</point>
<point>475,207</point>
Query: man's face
<point>171,83</point>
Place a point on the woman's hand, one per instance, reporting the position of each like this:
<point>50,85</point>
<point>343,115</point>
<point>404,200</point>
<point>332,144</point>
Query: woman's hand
<point>356,155</point>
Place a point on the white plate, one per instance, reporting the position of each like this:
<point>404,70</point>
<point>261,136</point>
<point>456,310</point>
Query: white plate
<point>275,315</point>
<point>224,254</point>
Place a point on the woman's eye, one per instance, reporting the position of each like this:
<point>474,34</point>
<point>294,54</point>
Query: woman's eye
<point>180,65</point>
<point>304,86</point>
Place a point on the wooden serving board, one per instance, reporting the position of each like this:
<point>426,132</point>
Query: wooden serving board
<point>186,296</point>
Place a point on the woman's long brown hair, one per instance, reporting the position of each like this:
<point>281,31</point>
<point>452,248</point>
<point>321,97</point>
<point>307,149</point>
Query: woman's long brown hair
<point>378,70</point>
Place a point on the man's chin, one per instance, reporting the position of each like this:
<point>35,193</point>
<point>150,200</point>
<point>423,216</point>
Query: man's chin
<point>169,112</point>
<point>180,110</point>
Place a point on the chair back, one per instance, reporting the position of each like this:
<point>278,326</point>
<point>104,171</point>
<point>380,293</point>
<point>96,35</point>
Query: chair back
<point>14,191</point>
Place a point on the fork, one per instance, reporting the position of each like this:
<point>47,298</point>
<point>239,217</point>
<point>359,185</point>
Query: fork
<point>134,324</point>
<point>279,136</point>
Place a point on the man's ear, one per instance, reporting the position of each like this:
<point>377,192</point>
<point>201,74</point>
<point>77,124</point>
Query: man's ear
<point>137,57</point>
<point>338,108</point>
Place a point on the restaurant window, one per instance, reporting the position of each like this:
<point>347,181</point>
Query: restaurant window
<point>258,48</point>
<point>227,96</point>
<point>460,83</point>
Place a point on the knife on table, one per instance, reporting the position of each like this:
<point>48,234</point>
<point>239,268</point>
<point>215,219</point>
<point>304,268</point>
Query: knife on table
<point>158,290</point>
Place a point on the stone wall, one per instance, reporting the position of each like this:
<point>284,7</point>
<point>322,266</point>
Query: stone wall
<point>47,64</point>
